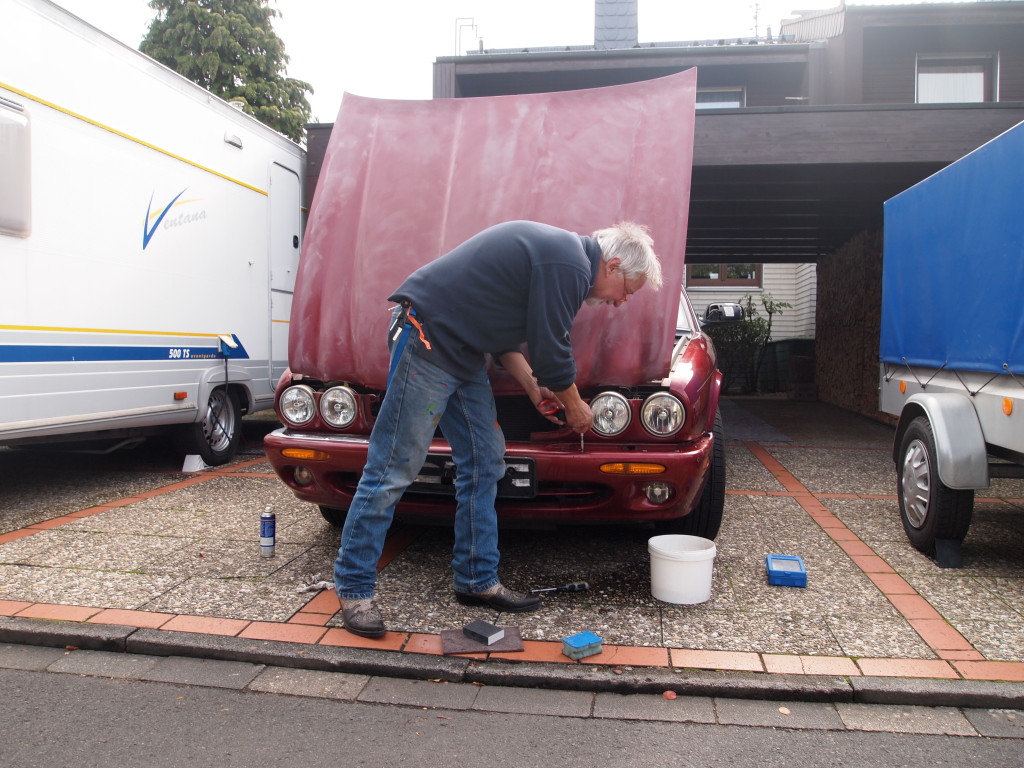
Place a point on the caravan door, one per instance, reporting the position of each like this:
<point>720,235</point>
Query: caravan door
<point>285,239</point>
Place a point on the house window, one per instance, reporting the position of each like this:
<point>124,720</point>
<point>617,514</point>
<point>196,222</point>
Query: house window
<point>723,275</point>
<point>955,79</point>
<point>720,98</point>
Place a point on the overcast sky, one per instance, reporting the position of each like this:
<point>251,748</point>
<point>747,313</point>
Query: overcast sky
<point>386,48</point>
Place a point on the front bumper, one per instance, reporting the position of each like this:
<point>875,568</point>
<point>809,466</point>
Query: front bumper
<point>570,485</point>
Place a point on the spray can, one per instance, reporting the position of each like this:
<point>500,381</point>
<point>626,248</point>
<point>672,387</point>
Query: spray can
<point>268,530</point>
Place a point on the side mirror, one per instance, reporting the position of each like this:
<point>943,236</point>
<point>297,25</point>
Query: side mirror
<point>717,314</point>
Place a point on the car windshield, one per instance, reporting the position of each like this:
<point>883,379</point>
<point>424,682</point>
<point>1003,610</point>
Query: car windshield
<point>684,319</point>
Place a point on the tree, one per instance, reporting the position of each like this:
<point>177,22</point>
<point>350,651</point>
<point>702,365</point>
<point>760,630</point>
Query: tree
<point>230,48</point>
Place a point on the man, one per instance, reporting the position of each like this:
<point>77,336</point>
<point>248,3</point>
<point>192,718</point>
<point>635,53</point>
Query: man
<point>513,283</point>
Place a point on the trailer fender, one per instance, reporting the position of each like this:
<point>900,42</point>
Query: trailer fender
<point>959,441</point>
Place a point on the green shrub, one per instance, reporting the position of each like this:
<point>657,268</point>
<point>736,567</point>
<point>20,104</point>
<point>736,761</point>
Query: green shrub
<point>741,346</point>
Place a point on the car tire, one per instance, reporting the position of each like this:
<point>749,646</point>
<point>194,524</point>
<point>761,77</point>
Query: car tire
<point>706,518</point>
<point>334,515</point>
<point>929,509</point>
<point>216,435</point>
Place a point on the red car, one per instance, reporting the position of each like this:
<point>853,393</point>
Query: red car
<point>655,452</point>
<point>402,182</point>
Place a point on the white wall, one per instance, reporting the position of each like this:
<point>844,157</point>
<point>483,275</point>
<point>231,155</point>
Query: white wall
<point>795,284</point>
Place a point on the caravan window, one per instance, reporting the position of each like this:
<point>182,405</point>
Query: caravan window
<point>15,170</point>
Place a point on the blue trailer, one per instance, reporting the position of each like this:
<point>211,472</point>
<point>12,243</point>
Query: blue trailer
<point>952,339</point>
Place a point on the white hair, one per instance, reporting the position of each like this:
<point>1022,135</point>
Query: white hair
<point>634,248</point>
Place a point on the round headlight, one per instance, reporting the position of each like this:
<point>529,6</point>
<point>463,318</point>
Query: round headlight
<point>663,414</point>
<point>611,413</point>
<point>297,406</point>
<point>338,406</point>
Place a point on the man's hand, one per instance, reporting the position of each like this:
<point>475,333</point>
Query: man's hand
<point>577,413</point>
<point>541,397</point>
<point>549,406</point>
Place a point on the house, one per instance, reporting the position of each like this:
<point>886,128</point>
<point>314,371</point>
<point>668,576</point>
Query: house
<point>800,138</point>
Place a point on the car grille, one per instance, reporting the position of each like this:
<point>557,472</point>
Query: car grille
<point>549,495</point>
<point>519,418</point>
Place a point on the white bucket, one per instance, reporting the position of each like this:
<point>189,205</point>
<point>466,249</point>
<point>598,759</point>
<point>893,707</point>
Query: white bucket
<point>681,568</point>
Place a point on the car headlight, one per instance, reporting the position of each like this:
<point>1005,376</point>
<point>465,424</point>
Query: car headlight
<point>297,405</point>
<point>338,406</point>
<point>662,414</point>
<point>612,414</point>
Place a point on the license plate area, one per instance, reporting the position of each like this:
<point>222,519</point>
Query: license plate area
<point>437,477</point>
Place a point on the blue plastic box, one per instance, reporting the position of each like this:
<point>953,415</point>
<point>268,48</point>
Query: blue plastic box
<point>786,570</point>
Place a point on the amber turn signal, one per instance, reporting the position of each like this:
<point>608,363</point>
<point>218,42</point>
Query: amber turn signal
<point>305,454</point>
<point>632,468</point>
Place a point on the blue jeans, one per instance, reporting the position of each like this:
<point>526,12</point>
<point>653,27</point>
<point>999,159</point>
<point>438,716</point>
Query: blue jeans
<point>421,397</point>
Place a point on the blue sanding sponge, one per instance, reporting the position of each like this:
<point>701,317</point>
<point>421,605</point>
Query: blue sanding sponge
<point>581,645</point>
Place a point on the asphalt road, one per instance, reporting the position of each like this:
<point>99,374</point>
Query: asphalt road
<point>50,720</point>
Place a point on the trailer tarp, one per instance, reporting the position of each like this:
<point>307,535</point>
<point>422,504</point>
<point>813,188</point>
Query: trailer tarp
<point>403,182</point>
<point>953,264</point>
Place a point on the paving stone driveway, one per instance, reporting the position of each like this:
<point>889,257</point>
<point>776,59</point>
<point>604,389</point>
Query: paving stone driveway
<point>803,478</point>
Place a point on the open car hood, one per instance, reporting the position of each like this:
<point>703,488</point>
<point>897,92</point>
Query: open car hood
<point>403,182</point>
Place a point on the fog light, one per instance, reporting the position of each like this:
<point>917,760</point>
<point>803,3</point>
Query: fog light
<point>658,493</point>
<point>302,476</point>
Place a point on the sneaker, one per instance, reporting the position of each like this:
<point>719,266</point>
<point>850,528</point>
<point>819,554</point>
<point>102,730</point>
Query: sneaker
<point>500,598</point>
<point>362,617</point>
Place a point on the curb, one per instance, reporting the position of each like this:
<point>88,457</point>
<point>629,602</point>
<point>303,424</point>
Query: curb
<point>590,678</point>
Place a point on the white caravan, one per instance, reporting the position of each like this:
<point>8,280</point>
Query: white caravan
<point>149,239</point>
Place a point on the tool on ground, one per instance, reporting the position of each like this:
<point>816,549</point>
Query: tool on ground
<point>576,586</point>
<point>314,583</point>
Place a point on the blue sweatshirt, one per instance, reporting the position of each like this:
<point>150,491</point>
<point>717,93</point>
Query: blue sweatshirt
<point>512,283</point>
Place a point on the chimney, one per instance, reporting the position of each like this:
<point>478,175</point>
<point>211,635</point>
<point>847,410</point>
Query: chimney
<point>615,24</point>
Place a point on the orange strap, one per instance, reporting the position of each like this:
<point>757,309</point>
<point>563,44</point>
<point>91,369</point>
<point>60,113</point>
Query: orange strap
<point>419,328</point>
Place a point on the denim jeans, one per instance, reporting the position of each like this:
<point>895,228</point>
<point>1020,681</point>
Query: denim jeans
<point>421,397</point>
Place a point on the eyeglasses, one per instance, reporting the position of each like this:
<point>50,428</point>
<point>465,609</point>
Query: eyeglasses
<point>625,291</point>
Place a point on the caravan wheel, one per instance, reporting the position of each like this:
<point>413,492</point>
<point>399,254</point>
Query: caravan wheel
<point>215,437</point>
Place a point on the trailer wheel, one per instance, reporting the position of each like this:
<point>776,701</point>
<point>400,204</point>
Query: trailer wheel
<point>216,436</point>
<point>334,515</point>
<point>929,509</point>
<point>706,517</point>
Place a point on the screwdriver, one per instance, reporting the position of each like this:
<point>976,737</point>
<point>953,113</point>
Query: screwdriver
<point>576,586</point>
<point>551,407</point>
